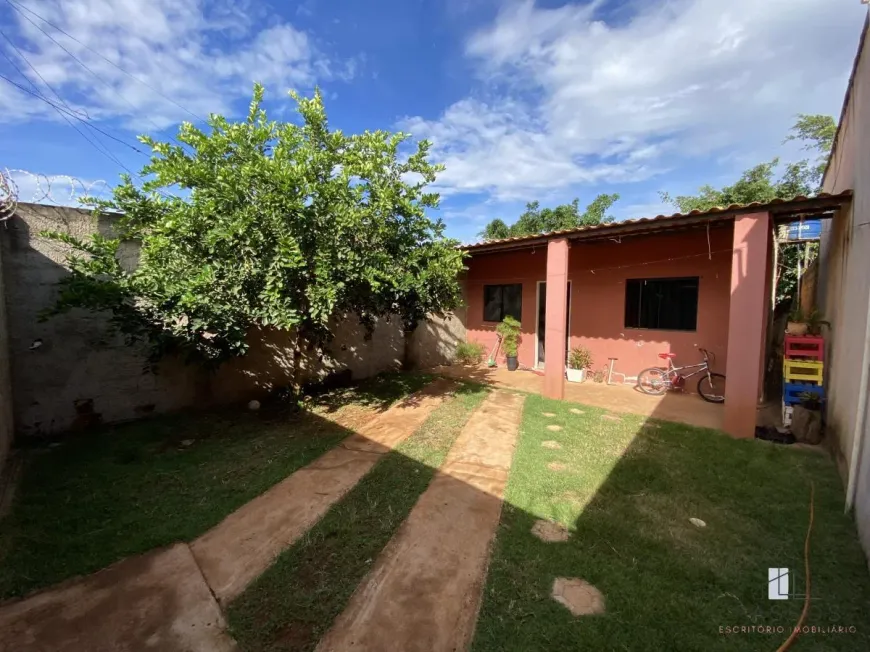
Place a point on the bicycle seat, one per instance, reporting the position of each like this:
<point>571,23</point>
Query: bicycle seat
<point>667,356</point>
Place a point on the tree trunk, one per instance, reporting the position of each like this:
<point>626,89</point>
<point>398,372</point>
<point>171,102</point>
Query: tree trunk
<point>407,353</point>
<point>297,365</point>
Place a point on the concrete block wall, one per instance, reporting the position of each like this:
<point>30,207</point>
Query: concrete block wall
<point>68,372</point>
<point>6,423</point>
<point>844,292</point>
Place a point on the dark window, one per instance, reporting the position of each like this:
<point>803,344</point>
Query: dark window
<point>502,300</point>
<point>669,304</point>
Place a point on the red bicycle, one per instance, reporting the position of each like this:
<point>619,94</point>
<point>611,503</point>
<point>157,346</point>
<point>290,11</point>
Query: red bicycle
<point>658,380</point>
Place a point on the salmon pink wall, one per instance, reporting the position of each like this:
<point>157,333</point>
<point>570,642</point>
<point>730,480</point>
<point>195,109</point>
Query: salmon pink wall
<point>524,267</point>
<point>597,273</point>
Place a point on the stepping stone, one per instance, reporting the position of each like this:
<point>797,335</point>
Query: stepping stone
<point>611,417</point>
<point>576,411</point>
<point>579,596</point>
<point>549,531</point>
<point>556,466</point>
<point>697,522</point>
<point>548,414</point>
<point>554,445</point>
<point>571,498</point>
<point>554,428</point>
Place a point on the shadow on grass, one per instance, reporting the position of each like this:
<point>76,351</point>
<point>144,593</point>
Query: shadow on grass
<point>627,492</point>
<point>118,491</point>
<point>292,604</point>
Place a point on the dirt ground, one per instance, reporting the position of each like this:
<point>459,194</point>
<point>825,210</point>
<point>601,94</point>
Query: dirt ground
<point>425,588</point>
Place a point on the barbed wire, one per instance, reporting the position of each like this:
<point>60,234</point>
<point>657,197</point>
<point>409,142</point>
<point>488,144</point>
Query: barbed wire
<point>8,195</point>
<point>57,189</point>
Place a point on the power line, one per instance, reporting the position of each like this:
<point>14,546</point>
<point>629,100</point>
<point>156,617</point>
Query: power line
<point>16,5</point>
<point>61,112</point>
<point>33,68</point>
<point>64,110</point>
<point>83,65</point>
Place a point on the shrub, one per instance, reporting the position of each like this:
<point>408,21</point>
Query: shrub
<point>469,352</point>
<point>580,358</point>
<point>509,329</point>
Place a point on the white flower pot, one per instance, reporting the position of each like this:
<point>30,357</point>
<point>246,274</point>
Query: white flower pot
<point>576,375</point>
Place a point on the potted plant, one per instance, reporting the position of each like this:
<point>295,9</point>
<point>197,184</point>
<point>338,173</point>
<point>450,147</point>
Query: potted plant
<point>579,360</point>
<point>806,418</point>
<point>810,400</point>
<point>814,322</point>
<point>509,331</point>
<point>797,324</point>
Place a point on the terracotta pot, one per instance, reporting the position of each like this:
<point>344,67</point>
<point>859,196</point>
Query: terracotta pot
<point>796,328</point>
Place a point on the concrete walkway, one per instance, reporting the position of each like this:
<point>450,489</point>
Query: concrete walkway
<point>425,588</point>
<point>166,600</point>
<point>681,407</point>
<point>156,601</point>
<point>243,545</point>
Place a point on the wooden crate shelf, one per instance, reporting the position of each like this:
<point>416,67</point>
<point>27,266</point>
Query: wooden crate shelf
<point>791,392</point>
<point>803,371</point>
<point>806,347</point>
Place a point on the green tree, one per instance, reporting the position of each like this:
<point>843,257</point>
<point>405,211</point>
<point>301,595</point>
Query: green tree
<point>760,184</point>
<point>285,225</point>
<point>817,132</point>
<point>542,220</point>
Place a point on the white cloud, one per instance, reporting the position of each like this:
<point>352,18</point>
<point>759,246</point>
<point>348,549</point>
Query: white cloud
<point>204,56</point>
<point>569,98</point>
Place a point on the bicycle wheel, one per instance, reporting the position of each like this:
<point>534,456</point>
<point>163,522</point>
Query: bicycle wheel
<point>712,388</point>
<point>653,381</point>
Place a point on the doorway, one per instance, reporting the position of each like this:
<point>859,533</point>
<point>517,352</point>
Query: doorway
<point>541,325</point>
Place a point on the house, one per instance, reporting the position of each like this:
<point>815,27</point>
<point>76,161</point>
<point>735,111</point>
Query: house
<point>843,294</point>
<point>635,289</point>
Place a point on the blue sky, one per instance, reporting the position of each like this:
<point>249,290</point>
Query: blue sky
<point>523,100</point>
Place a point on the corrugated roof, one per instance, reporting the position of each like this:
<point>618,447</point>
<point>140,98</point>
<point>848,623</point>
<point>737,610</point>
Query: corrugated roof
<point>818,202</point>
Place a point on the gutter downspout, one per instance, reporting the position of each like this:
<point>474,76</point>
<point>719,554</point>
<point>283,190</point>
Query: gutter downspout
<point>860,417</point>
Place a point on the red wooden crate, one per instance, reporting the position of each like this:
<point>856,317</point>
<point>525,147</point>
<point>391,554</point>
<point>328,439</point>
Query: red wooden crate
<point>807,346</point>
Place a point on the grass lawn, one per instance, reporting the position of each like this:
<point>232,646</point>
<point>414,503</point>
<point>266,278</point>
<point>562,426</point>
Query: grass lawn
<point>626,494</point>
<point>295,601</point>
<point>119,491</point>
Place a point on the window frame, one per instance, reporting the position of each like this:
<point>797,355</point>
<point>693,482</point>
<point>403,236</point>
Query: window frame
<point>660,279</point>
<point>502,312</point>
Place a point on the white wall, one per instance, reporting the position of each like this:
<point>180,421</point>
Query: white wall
<point>844,289</point>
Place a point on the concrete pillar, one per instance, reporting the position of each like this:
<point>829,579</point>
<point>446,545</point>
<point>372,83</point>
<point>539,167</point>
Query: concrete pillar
<point>555,337</point>
<point>747,321</point>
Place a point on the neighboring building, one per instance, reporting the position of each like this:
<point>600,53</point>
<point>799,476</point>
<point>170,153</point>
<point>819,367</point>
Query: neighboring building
<point>632,290</point>
<point>844,293</point>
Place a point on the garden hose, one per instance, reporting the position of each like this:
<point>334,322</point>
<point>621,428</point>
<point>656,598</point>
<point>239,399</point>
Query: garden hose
<point>797,628</point>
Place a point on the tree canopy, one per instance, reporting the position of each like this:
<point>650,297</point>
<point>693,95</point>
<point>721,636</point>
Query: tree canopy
<point>761,184</point>
<point>541,220</point>
<point>282,225</point>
